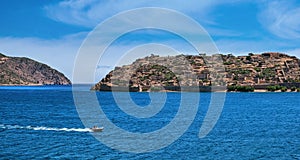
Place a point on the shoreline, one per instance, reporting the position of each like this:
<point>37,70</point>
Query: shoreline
<point>220,91</point>
<point>258,89</point>
<point>33,85</point>
<point>21,85</point>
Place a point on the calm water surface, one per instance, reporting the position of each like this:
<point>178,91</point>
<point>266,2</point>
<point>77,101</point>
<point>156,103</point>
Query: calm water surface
<point>42,122</point>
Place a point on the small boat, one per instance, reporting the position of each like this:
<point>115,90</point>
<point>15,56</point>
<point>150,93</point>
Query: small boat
<point>97,129</point>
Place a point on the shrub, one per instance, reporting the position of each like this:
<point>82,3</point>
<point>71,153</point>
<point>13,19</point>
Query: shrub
<point>169,75</point>
<point>257,69</point>
<point>293,88</point>
<point>227,63</point>
<point>271,88</point>
<point>248,58</point>
<point>231,88</point>
<point>283,89</point>
<point>278,87</point>
<point>155,89</point>
<point>249,89</point>
<point>242,88</point>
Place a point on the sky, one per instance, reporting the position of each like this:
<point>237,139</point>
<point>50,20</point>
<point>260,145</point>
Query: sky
<point>52,32</point>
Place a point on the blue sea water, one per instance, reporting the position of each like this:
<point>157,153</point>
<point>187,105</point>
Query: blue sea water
<point>42,123</point>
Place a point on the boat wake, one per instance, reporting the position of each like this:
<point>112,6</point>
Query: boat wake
<point>2,126</point>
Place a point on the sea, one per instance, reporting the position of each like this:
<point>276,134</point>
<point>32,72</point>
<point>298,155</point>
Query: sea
<point>43,122</point>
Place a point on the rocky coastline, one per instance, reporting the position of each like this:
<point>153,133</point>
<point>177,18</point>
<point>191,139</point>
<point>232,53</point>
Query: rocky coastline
<point>272,71</point>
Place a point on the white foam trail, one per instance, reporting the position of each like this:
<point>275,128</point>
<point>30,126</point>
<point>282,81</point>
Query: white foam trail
<point>45,128</point>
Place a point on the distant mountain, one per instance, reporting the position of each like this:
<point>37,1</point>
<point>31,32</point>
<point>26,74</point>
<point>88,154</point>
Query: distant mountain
<point>25,71</point>
<point>154,73</point>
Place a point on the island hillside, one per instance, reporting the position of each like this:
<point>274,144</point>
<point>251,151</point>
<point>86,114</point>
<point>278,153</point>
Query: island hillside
<point>25,71</point>
<point>268,71</point>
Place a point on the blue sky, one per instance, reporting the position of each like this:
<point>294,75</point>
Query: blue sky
<point>52,31</point>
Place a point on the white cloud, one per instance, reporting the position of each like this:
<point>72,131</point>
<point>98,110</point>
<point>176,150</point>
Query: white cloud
<point>223,32</point>
<point>278,17</point>
<point>90,13</point>
<point>282,19</point>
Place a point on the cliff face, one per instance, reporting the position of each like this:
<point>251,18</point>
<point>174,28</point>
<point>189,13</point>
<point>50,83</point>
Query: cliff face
<point>24,71</point>
<point>155,73</point>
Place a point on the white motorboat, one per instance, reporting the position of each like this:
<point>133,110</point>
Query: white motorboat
<point>97,129</point>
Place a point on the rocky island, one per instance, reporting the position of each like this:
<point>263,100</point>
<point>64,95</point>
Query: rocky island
<point>25,71</point>
<point>253,72</point>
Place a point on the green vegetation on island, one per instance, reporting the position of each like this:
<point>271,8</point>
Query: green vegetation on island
<point>268,71</point>
<point>240,88</point>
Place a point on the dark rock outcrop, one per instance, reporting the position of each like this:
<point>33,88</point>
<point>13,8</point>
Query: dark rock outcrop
<point>25,71</point>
